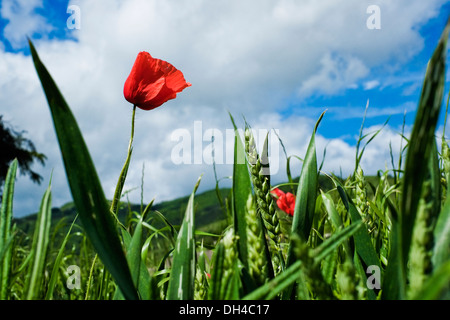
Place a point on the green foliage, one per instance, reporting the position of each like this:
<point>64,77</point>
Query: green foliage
<point>419,152</point>
<point>363,237</point>
<point>84,183</point>
<point>6,236</point>
<point>14,145</point>
<point>182,275</point>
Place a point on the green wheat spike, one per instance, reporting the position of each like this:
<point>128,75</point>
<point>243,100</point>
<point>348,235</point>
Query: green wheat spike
<point>312,275</point>
<point>345,279</point>
<point>258,269</point>
<point>420,265</point>
<point>264,200</point>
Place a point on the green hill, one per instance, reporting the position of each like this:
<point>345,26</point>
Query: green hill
<point>209,215</point>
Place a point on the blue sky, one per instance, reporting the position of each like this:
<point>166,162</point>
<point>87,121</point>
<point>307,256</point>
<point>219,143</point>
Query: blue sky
<point>389,102</point>
<point>53,13</point>
<point>279,64</point>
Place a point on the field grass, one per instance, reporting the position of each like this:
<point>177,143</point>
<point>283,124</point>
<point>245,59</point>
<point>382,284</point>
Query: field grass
<point>355,238</point>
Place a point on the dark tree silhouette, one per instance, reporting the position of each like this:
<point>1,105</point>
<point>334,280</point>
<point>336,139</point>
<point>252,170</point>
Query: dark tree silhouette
<point>14,145</point>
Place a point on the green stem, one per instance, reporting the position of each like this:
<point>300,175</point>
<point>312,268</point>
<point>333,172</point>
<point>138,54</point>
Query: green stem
<point>91,272</point>
<point>123,173</point>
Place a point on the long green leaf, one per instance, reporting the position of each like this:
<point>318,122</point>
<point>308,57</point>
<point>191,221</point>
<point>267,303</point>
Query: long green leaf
<point>307,190</point>
<point>335,219</point>
<point>39,248</point>
<point>306,194</point>
<point>139,272</point>
<point>305,201</point>
<point>84,184</point>
<point>134,253</point>
<point>363,242</point>
<point>241,190</point>
<point>182,276</point>
<point>145,287</point>
<point>6,215</point>
<point>416,166</point>
<point>57,263</point>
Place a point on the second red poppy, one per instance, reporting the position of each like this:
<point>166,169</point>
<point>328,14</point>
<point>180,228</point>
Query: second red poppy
<point>285,201</point>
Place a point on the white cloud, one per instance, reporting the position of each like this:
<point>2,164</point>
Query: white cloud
<point>336,73</point>
<point>371,84</point>
<point>241,58</point>
<point>377,154</point>
<point>22,20</point>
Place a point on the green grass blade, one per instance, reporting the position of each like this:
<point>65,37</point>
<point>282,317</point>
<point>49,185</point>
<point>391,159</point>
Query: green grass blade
<point>56,264</point>
<point>139,272</point>
<point>225,282</point>
<point>134,253</point>
<point>145,287</point>
<point>84,184</point>
<point>331,244</point>
<point>441,246</point>
<point>434,177</point>
<point>7,245</point>
<point>441,249</point>
<point>416,166</point>
<point>39,248</point>
<point>137,265</point>
<point>215,284</point>
<point>438,285</point>
<point>307,190</point>
<point>305,204</point>
<point>277,285</point>
<point>306,194</point>
<point>6,214</point>
<point>363,242</point>
<point>335,218</point>
<point>182,276</point>
<point>241,190</point>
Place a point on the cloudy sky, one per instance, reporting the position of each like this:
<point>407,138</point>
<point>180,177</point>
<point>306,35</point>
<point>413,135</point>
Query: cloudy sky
<point>279,64</point>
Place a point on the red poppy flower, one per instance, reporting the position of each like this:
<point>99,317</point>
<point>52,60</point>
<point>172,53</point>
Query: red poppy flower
<point>152,82</point>
<point>285,201</point>
<point>277,192</point>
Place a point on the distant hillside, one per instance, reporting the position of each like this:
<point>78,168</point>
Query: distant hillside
<point>209,216</point>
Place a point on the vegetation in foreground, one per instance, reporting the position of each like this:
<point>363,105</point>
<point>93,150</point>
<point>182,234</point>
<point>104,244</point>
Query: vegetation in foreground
<point>356,240</point>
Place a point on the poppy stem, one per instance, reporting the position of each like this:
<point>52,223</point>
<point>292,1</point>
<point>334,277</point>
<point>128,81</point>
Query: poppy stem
<point>123,173</point>
<point>130,145</point>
